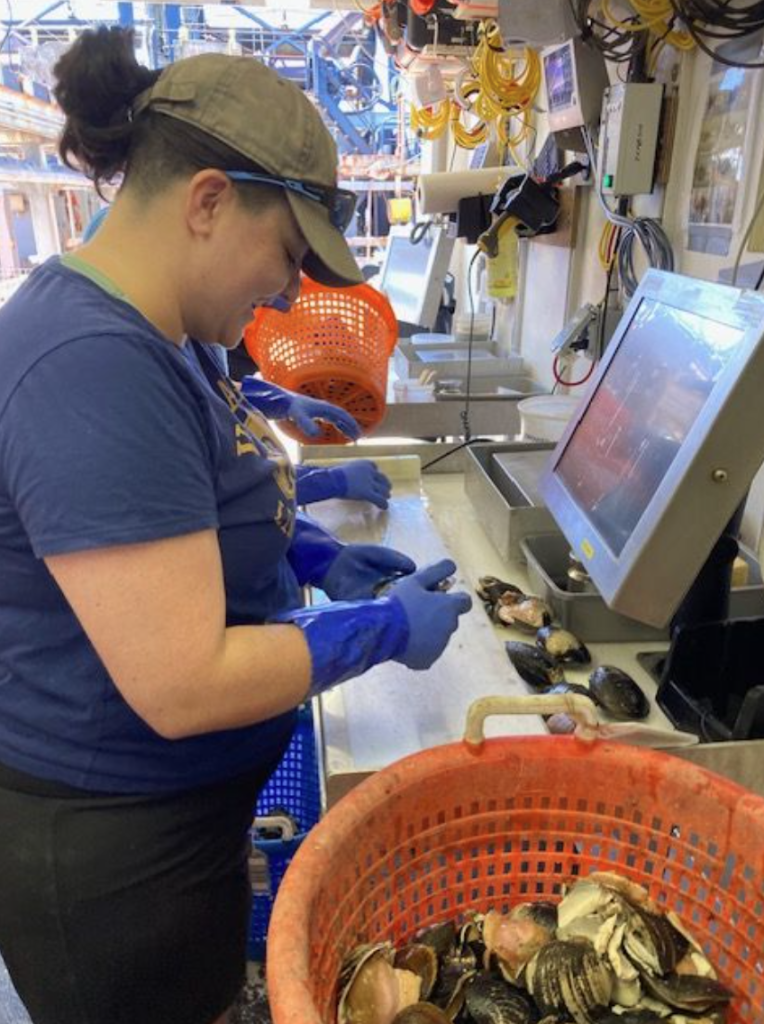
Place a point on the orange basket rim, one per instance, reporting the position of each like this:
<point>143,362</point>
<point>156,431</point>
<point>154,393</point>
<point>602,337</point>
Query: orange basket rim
<point>288,962</point>
<point>364,294</point>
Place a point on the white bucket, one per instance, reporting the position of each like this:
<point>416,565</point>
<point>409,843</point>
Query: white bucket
<point>544,417</point>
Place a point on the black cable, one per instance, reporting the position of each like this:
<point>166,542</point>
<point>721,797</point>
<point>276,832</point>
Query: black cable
<point>605,307</point>
<point>617,45</point>
<point>419,231</point>
<point>759,281</point>
<point>453,451</point>
<point>718,20</point>
<point>465,416</point>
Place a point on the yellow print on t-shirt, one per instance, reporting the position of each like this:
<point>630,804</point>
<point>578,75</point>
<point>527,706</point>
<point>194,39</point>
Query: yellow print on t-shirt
<point>253,436</point>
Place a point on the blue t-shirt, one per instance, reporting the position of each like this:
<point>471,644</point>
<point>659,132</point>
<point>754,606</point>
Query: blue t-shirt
<point>110,434</point>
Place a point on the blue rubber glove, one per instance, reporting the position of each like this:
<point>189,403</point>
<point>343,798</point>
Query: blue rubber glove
<point>345,572</point>
<point>279,404</point>
<point>432,615</point>
<point>358,480</point>
<point>411,625</point>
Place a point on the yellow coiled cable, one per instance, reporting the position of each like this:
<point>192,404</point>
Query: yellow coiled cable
<point>495,69</point>
<point>653,16</point>
<point>501,83</point>
<point>607,248</point>
<point>466,138</point>
<point>430,122</point>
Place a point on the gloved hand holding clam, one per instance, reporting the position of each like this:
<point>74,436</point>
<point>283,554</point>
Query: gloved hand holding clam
<point>605,954</point>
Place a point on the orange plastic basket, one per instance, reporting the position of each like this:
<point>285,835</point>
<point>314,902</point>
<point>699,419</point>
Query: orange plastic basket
<point>334,344</point>
<point>451,829</point>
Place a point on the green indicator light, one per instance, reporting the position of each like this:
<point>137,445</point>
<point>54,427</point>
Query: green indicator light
<point>607,181</point>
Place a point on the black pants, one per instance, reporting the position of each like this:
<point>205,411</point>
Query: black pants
<point>125,909</point>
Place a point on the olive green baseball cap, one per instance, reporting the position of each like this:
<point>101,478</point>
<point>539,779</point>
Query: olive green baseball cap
<point>272,123</point>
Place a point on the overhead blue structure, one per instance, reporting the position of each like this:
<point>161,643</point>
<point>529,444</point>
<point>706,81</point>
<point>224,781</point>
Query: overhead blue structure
<point>331,54</point>
<point>126,14</point>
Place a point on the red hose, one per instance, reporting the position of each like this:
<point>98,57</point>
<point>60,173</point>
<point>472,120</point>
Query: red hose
<point>570,383</point>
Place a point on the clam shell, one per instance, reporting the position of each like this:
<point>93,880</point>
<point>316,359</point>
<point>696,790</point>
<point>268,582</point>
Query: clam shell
<point>421,1013</point>
<point>618,694</point>
<point>440,937</point>
<point>422,961</point>
<point>368,986</point>
<point>492,1001</point>
<point>517,936</point>
<point>534,665</point>
<point>688,992</point>
<point>569,977</point>
<point>561,724</point>
<point>491,588</point>
<point>528,614</point>
<point>562,645</point>
<point>652,942</point>
<point>630,1017</point>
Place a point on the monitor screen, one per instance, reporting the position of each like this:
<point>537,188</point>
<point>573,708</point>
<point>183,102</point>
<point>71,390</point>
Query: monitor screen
<point>641,414</point>
<point>663,447</point>
<point>413,274</point>
<point>560,81</point>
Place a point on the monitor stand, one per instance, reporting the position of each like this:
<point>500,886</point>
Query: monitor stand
<point>709,681</point>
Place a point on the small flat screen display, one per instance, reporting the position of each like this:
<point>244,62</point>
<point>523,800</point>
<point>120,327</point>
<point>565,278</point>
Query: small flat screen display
<point>643,409</point>
<point>560,83</point>
<point>405,280</point>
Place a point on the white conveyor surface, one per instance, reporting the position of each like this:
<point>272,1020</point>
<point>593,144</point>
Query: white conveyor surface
<point>391,711</point>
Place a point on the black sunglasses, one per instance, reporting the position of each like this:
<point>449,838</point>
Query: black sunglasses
<point>340,202</point>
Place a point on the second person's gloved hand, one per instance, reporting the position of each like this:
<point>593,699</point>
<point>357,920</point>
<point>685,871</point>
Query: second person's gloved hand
<point>357,480</point>
<point>279,404</point>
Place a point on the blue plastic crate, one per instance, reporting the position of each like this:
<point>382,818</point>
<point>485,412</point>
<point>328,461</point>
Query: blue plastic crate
<point>292,789</point>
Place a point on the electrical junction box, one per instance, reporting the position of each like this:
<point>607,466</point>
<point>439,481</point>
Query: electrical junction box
<point>631,115</point>
<point>536,22</point>
<point>576,78</point>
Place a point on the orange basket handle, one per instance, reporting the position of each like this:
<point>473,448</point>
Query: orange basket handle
<point>580,708</point>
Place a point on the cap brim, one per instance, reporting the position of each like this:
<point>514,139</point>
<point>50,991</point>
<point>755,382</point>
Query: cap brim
<point>329,260</point>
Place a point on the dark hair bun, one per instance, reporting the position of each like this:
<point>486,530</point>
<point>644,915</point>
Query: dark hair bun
<point>98,78</point>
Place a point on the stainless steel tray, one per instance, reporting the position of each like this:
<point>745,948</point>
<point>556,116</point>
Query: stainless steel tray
<point>498,479</point>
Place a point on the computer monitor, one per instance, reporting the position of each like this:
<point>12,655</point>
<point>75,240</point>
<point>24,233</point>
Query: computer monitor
<point>662,449</point>
<point>412,275</point>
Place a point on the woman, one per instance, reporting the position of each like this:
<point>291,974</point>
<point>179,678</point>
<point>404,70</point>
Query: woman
<point>152,644</point>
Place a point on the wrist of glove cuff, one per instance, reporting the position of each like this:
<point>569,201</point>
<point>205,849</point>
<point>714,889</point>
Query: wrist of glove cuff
<point>347,638</point>
<point>269,399</point>
<point>317,483</point>
<point>312,552</point>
